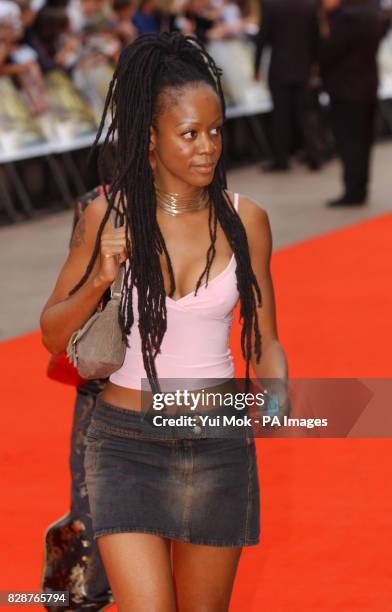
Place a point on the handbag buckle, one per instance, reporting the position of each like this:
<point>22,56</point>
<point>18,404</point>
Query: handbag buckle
<point>114,294</point>
<point>116,286</point>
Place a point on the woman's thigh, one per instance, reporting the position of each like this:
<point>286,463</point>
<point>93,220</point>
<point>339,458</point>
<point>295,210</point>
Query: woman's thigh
<point>204,576</point>
<point>138,568</point>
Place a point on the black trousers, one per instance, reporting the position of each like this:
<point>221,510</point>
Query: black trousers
<point>293,119</point>
<point>353,128</point>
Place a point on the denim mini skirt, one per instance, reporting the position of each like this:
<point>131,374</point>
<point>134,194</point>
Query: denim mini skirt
<point>194,483</point>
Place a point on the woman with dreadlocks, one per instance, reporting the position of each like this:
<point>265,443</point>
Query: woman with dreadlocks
<point>171,507</point>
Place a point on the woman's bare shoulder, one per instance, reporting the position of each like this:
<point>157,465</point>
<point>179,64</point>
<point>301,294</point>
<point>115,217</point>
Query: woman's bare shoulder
<point>89,221</point>
<point>253,216</point>
<point>96,208</point>
<point>255,220</point>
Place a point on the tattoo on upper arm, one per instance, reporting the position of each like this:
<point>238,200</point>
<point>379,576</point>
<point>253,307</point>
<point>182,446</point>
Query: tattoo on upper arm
<point>78,237</point>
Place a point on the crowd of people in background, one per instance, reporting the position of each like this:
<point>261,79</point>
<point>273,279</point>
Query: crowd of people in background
<point>57,57</point>
<point>70,47</point>
<point>37,36</point>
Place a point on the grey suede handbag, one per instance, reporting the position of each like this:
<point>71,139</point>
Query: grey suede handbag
<point>97,349</point>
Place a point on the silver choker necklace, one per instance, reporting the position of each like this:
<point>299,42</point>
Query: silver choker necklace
<point>177,204</point>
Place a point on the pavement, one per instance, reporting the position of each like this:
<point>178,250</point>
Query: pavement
<point>32,252</point>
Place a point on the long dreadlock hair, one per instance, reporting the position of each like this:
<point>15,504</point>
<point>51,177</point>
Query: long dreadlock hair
<point>147,67</point>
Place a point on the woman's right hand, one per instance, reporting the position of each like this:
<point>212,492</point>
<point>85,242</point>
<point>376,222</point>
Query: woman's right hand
<point>112,252</point>
<point>64,313</point>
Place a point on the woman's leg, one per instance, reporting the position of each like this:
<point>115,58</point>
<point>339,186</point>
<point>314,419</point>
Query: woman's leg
<point>204,576</point>
<point>139,571</point>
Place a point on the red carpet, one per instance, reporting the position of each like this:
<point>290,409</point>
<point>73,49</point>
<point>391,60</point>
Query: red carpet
<point>326,504</point>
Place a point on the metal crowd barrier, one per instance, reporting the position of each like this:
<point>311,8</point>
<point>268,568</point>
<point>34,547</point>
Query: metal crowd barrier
<point>50,151</point>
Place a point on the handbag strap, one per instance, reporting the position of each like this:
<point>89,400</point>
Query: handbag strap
<point>116,286</point>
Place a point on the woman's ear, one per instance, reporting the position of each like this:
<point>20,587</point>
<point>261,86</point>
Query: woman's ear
<point>153,138</point>
<point>151,147</point>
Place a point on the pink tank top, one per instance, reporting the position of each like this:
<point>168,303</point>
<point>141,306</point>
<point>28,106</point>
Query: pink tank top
<point>195,346</point>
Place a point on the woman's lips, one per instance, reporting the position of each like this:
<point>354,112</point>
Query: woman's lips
<point>205,168</point>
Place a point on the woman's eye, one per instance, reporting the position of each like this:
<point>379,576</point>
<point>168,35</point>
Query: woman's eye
<point>190,134</point>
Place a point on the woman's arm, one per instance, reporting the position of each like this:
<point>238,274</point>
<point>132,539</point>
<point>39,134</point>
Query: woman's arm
<point>15,69</point>
<point>272,367</point>
<point>64,314</point>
